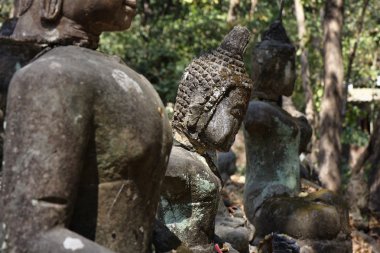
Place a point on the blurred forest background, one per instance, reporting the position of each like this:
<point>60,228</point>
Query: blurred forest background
<point>334,36</point>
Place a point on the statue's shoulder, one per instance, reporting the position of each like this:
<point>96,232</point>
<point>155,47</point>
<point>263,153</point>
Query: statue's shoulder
<point>67,57</point>
<point>259,112</point>
<point>78,61</point>
<point>68,66</point>
<point>267,115</point>
<point>259,105</point>
<point>93,61</point>
<point>72,55</point>
<point>57,66</point>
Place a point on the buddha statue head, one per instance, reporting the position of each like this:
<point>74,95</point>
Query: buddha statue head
<point>213,95</point>
<point>79,22</point>
<point>273,63</point>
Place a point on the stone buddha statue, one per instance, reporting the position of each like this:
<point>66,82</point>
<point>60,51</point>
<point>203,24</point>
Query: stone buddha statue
<point>211,101</point>
<point>274,140</point>
<point>87,138</point>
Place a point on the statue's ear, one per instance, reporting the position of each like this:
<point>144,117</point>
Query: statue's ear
<point>192,116</point>
<point>195,110</point>
<point>51,9</point>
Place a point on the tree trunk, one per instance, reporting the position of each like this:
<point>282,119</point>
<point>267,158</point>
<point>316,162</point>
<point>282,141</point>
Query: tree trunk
<point>305,73</point>
<point>332,102</point>
<point>357,38</point>
<point>354,49</point>
<point>253,8</point>
<point>233,11</point>
<point>19,7</point>
<point>370,159</point>
<point>288,105</point>
<point>374,183</point>
<point>362,195</point>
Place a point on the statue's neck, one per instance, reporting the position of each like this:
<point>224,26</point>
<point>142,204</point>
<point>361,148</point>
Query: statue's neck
<point>190,144</point>
<point>187,143</point>
<point>65,32</point>
<point>263,96</point>
<point>182,139</point>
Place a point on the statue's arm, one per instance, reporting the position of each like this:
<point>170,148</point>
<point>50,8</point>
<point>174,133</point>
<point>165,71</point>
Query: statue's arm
<point>305,133</point>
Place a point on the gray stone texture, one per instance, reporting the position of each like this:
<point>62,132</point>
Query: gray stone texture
<point>211,101</point>
<point>189,197</point>
<point>87,140</point>
<point>325,246</point>
<point>75,158</point>
<point>274,140</point>
<point>234,229</point>
<point>226,164</point>
<point>298,218</point>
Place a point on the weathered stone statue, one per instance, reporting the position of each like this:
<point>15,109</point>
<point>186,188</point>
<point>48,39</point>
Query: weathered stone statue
<point>14,55</point>
<point>87,139</point>
<point>273,141</point>
<point>211,102</point>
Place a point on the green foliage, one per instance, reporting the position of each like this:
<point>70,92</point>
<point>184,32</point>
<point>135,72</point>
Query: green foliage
<point>354,136</point>
<point>352,131</point>
<point>5,10</point>
<point>161,46</point>
<point>365,69</point>
<point>167,34</point>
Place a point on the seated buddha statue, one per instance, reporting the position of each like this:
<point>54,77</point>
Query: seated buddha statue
<point>274,140</point>
<point>212,98</point>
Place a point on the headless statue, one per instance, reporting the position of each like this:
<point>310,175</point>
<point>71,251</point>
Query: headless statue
<point>87,140</point>
<point>211,102</point>
<point>274,140</point>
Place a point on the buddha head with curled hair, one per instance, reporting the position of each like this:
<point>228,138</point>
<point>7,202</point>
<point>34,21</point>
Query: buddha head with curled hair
<point>213,95</point>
